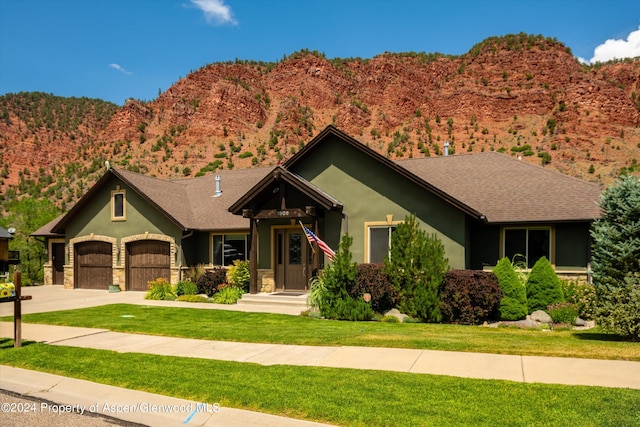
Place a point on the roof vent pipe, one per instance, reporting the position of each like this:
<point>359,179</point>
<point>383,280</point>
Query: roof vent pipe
<point>218,190</point>
<point>446,148</point>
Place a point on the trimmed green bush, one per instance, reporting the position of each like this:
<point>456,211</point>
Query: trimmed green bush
<point>470,297</point>
<point>186,287</point>
<point>227,294</point>
<point>193,298</point>
<point>543,286</point>
<point>351,309</point>
<point>513,305</point>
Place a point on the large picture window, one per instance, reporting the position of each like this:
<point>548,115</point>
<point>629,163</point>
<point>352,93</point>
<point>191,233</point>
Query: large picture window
<point>532,243</point>
<point>379,243</point>
<point>118,205</point>
<point>228,248</point>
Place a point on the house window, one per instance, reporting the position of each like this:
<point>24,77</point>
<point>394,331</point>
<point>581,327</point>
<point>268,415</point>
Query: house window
<point>228,248</point>
<point>531,243</point>
<point>118,205</point>
<point>379,243</point>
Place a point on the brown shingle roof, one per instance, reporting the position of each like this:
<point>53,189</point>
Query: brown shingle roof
<point>507,190</point>
<point>191,202</point>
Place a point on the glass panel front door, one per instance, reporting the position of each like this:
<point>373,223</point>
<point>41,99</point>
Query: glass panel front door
<point>292,260</point>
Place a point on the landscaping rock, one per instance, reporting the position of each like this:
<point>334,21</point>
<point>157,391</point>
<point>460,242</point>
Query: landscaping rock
<point>396,313</point>
<point>580,322</point>
<point>541,317</point>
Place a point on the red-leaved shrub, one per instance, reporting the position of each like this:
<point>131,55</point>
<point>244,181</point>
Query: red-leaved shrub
<point>372,279</point>
<point>470,297</point>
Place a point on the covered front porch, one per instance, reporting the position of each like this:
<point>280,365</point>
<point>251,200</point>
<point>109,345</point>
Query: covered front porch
<point>281,258</point>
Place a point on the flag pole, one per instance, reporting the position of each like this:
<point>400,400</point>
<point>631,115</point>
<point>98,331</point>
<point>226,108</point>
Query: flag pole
<point>313,250</point>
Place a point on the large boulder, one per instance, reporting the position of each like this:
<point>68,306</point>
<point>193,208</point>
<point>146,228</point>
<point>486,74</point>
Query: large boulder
<point>541,317</point>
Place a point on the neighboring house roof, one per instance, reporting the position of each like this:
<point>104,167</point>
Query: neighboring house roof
<point>47,229</point>
<point>507,190</point>
<point>4,234</point>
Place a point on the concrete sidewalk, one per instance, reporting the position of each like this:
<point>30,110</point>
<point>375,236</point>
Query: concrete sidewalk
<point>526,369</point>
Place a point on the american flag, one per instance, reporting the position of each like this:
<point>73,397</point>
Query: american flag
<point>315,239</point>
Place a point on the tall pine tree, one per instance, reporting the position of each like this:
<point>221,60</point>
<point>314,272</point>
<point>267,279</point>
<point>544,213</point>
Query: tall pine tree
<point>416,266</point>
<point>616,259</point>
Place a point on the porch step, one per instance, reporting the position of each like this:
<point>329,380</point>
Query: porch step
<point>277,299</point>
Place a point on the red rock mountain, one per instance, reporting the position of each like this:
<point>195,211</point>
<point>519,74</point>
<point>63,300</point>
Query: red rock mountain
<point>524,95</point>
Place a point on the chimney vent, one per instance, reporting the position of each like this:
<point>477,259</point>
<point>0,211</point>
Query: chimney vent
<point>218,190</point>
<point>446,148</point>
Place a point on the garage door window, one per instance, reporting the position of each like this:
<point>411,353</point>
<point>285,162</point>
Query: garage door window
<point>228,248</point>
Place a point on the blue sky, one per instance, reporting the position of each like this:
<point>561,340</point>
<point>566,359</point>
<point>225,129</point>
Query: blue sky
<point>120,49</point>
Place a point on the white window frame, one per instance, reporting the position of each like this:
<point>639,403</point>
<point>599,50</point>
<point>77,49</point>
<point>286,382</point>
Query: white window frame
<point>123,193</point>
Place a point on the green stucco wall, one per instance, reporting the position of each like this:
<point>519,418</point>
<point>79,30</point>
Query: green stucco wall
<point>370,191</point>
<point>141,217</point>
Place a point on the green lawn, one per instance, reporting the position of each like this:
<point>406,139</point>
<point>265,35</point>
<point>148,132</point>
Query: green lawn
<point>283,329</point>
<point>339,396</point>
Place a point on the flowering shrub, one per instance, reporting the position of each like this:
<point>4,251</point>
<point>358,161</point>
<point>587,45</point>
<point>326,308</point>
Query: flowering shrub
<point>581,294</point>
<point>7,290</point>
<point>563,312</point>
<point>160,289</point>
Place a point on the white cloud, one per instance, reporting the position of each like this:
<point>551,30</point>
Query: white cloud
<point>119,68</point>
<point>616,49</point>
<point>215,11</point>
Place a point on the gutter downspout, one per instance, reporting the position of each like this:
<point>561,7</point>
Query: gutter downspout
<point>181,252</point>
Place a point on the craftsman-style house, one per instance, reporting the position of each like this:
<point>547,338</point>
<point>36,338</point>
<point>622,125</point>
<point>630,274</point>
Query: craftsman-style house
<point>130,228</point>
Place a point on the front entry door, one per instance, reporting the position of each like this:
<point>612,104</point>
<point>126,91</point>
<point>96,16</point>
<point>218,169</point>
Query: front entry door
<point>292,260</point>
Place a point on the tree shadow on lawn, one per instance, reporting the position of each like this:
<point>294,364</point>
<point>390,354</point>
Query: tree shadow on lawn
<point>601,336</point>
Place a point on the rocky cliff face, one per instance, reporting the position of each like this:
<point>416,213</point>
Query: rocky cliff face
<point>524,95</point>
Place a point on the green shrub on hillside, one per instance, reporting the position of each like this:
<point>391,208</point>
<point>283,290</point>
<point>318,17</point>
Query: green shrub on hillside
<point>543,286</point>
<point>513,305</point>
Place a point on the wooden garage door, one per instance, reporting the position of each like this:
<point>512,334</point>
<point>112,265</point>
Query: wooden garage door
<point>93,265</point>
<point>147,260</point>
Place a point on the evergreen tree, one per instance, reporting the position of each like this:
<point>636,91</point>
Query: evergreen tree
<point>416,267</point>
<point>543,286</point>
<point>337,280</point>
<point>616,236</point>
<point>616,258</point>
<point>513,305</point>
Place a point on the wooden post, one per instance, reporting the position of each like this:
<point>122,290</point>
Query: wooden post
<point>253,257</point>
<point>17,311</point>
